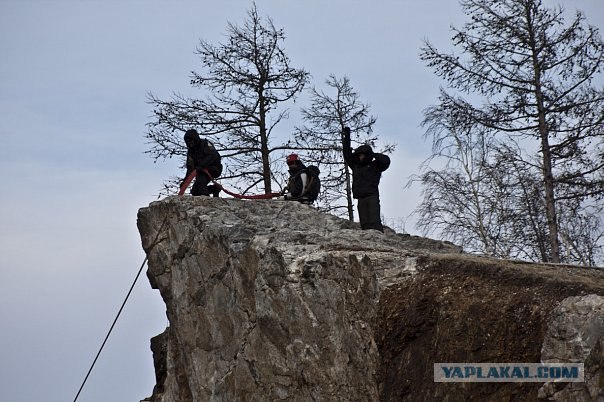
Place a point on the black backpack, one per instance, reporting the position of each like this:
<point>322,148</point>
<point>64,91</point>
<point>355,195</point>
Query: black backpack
<point>313,186</point>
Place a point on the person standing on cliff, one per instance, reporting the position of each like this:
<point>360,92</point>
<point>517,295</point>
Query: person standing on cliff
<point>367,168</point>
<point>202,157</point>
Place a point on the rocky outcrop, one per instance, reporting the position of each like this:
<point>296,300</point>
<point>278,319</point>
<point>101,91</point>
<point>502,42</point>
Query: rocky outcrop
<point>576,335</point>
<point>470,309</point>
<point>273,300</point>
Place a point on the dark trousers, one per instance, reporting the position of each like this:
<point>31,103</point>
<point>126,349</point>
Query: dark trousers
<point>200,187</point>
<point>369,213</point>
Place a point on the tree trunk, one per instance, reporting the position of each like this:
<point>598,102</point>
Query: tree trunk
<point>349,204</point>
<point>550,201</point>
<point>264,150</point>
<point>548,176</point>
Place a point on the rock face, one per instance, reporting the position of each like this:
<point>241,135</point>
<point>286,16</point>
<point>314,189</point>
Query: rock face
<point>266,300</point>
<point>273,300</point>
<point>576,335</point>
<point>469,309</point>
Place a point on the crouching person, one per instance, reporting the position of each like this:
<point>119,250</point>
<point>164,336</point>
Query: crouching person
<point>304,184</point>
<point>202,157</point>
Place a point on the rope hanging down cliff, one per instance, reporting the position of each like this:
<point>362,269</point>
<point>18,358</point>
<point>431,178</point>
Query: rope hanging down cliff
<point>155,241</point>
<point>193,174</point>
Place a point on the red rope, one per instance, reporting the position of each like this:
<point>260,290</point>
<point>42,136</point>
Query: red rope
<point>185,184</point>
<point>193,174</point>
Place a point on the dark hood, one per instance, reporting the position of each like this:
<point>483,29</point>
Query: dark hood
<point>192,135</point>
<point>366,150</point>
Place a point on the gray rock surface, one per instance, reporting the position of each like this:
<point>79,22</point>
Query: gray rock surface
<point>576,335</point>
<point>272,300</point>
<point>267,300</point>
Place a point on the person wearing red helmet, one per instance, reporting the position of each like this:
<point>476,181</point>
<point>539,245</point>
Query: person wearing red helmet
<point>292,159</point>
<point>303,184</point>
<point>367,167</point>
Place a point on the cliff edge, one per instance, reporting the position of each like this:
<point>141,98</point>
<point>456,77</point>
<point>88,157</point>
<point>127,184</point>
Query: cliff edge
<point>273,300</point>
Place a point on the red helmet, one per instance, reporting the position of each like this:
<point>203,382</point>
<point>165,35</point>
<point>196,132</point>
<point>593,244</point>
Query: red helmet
<point>292,158</point>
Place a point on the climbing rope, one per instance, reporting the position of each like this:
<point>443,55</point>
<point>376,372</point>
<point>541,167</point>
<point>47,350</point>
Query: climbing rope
<point>193,174</point>
<point>155,241</point>
<point>183,188</point>
<point>248,197</point>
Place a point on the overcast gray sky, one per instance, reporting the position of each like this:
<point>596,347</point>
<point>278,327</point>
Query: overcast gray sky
<point>73,82</point>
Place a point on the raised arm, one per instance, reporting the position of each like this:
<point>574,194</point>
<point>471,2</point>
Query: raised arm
<point>346,149</point>
<point>381,161</point>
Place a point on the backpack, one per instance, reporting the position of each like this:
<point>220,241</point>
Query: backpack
<point>313,186</point>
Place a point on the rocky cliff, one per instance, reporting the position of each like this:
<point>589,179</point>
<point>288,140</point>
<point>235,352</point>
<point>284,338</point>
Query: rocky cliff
<point>273,300</point>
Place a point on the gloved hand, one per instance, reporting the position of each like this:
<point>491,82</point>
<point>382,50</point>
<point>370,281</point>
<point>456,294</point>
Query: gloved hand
<point>346,135</point>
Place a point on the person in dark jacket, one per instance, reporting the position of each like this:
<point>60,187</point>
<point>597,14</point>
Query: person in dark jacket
<point>367,168</point>
<point>299,180</point>
<point>201,155</point>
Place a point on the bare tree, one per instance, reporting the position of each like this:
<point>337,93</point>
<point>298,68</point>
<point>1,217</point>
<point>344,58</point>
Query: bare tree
<point>321,135</point>
<point>536,79</point>
<point>247,79</point>
<point>464,200</point>
<point>489,199</point>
